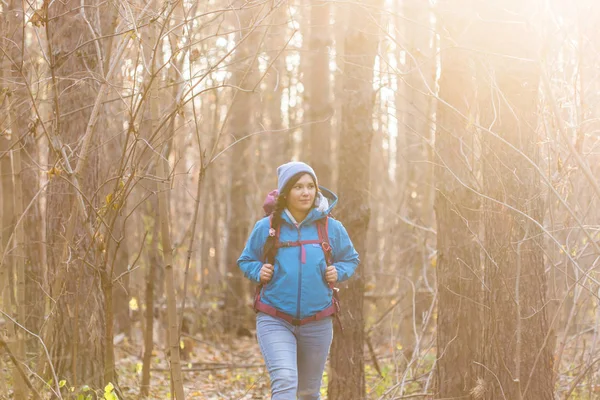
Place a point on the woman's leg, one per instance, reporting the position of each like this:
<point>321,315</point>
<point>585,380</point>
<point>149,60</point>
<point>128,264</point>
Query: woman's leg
<point>314,340</point>
<point>278,345</point>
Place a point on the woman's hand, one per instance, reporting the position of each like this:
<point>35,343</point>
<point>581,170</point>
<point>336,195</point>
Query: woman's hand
<point>331,274</point>
<point>266,273</point>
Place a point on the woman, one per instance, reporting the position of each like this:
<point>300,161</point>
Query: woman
<point>294,323</point>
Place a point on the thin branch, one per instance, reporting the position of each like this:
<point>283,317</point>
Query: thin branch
<point>54,376</point>
<point>18,366</point>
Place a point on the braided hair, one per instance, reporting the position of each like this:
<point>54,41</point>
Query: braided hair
<point>270,248</point>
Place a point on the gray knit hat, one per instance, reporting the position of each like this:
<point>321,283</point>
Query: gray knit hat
<point>286,171</point>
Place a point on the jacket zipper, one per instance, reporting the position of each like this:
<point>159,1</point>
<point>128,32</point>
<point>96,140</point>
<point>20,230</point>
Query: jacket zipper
<point>299,274</point>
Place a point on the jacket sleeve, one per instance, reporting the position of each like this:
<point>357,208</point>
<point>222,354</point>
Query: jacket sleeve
<point>345,257</point>
<point>250,262</point>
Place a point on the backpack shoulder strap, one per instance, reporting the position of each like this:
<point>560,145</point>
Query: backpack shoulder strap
<point>323,230</point>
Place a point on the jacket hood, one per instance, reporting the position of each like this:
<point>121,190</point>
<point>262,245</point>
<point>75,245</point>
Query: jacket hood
<point>325,202</point>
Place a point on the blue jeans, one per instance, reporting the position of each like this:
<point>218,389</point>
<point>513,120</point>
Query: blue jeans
<point>295,355</point>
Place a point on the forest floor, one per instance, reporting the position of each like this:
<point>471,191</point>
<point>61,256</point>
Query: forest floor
<point>223,367</point>
<point>228,369</point>
<point>217,366</point>
<point>231,368</point>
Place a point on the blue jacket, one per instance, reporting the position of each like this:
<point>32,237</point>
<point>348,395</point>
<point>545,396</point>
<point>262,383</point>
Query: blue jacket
<point>297,289</point>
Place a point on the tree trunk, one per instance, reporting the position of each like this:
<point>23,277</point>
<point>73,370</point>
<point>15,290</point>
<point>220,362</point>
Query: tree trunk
<point>245,76</point>
<point>12,248</point>
<point>318,108</point>
<point>341,16</point>
<point>347,379</point>
<point>174,359</point>
<point>11,263</point>
<point>21,389</point>
<point>79,344</point>
<point>280,143</point>
<point>121,238</point>
<point>119,264</point>
<point>20,117</point>
<point>148,315</point>
<point>459,273</point>
<point>162,171</point>
<point>517,358</point>
<point>8,221</point>
<point>416,118</point>
<point>413,162</point>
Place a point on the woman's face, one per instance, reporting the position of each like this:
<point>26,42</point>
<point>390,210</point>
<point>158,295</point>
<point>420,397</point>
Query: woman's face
<point>302,195</point>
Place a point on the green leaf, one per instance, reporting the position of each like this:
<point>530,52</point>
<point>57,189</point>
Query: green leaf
<point>62,383</point>
<point>109,393</point>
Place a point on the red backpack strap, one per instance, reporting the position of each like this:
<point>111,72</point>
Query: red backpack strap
<point>323,230</point>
